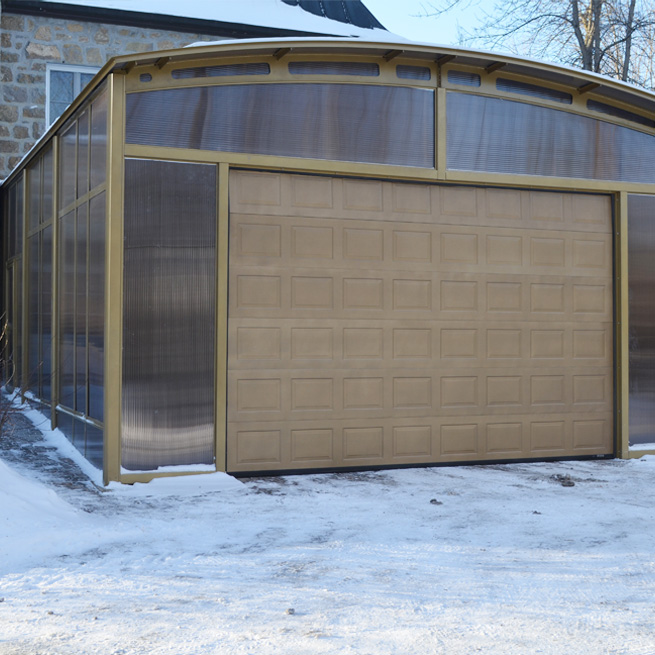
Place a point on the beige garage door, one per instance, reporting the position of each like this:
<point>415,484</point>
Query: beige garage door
<point>379,323</point>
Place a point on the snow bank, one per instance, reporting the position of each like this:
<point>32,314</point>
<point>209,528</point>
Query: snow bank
<point>35,523</point>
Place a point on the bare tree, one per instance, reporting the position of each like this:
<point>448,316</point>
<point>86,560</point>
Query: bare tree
<point>612,37</point>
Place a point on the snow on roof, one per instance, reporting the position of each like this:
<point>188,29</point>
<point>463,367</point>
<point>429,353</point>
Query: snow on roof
<point>260,13</point>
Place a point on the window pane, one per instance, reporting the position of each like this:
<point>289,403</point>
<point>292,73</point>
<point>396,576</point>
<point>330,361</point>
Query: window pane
<point>85,78</point>
<point>62,92</point>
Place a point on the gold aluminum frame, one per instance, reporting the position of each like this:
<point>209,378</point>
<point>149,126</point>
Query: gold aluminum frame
<point>126,74</point>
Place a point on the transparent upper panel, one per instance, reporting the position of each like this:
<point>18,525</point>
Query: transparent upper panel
<point>502,136</point>
<point>346,122</point>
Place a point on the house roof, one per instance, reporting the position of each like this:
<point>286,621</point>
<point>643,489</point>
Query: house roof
<point>231,18</point>
<point>345,11</point>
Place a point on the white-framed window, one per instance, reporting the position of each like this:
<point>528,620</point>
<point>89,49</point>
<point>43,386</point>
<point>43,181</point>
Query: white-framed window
<point>62,85</point>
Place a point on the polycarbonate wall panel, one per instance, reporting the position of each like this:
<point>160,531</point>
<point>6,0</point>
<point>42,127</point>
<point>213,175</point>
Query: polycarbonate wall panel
<point>346,122</point>
<point>83,154</point>
<point>168,314</point>
<point>10,368</point>
<point>502,136</point>
<point>19,215</point>
<point>94,446</point>
<point>67,311</point>
<point>18,323</point>
<point>98,156</point>
<point>96,306</point>
<point>80,310</point>
<point>11,222</point>
<point>641,284</point>
<point>34,195</point>
<point>47,197</point>
<point>67,167</point>
<point>33,345</point>
<point>46,313</point>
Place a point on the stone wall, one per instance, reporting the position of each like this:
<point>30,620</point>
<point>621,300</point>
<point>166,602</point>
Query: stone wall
<point>29,43</point>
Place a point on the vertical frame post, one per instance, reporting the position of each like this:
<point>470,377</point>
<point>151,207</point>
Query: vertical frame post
<point>221,315</point>
<point>441,133</point>
<point>24,292</point>
<point>54,344</point>
<point>622,326</point>
<point>114,277</point>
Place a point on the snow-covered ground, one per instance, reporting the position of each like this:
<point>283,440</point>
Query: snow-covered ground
<point>495,559</point>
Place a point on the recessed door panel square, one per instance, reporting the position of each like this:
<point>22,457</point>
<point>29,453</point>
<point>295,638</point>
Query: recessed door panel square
<point>258,291</point>
<point>362,293</point>
<point>504,438</point>
<point>504,296</point>
<point>459,296</point>
<point>363,443</point>
<point>311,191</point>
<point>459,439</point>
<point>503,344</point>
<point>258,343</point>
<point>459,248</point>
<point>258,395</point>
<point>547,297</point>
<point>363,343</point>
<point>412,246</point>
<point>362,195</point>
<point>412,441</point>
<point>415,343</point>
<point>504,390</point>
<point>363,393</point>
<point>311,394</point>
<point>459,391</point>
<point>312,445</point>
<point>311,343</point>
<point>459,343</point>
<point>547,389</point>
<point>504,250</point>
<point>411,198</point>
<point>312,293</point>
<point>312,242</point>
<point>412,294</point>
<point>547,435</point>
<point>547,344</point>
<point>363,244</point>
<point>259,240</point>
<point>412,392</point>
<point>259,447</point>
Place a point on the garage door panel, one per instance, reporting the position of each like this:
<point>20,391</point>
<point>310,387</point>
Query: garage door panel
<point>411,440</point>
<point>407,203</point>
<point>307,243</point>
<point>363,294</point>
<point>377,323</point>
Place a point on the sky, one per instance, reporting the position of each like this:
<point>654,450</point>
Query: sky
<point>407,18</point>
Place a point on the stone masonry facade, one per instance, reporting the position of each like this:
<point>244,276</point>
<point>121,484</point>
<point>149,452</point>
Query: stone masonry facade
<point>29,43</point>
